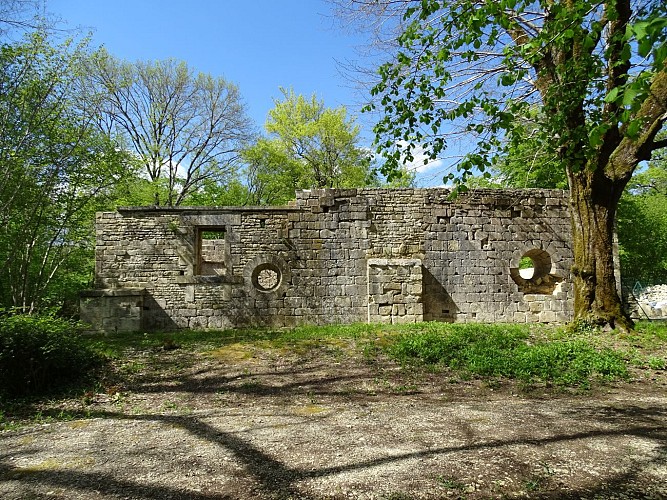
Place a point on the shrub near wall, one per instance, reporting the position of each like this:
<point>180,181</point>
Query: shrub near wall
<point>507,351</point>
<point>40,354</point>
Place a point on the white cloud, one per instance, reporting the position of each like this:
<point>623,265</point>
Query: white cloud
<point>421,162</point>
<point>430,173</point>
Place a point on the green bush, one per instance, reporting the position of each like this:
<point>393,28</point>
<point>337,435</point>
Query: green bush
<point>41,354</point>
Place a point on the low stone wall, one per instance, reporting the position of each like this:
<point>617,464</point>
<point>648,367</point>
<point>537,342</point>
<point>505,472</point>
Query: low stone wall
<point>337,256</point>
<point>112,311</point>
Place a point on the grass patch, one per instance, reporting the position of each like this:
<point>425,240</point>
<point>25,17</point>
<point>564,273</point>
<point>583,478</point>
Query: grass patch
<point>528,353</point>
<point>450,483</point>
<point>507,351</point>
<point>117,345</point>
<point>648,335</point>
<point>656,363</point>
<point>42,354</point>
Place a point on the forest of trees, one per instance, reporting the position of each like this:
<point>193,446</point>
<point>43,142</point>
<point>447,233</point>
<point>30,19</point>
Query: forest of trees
<point>570,95</point>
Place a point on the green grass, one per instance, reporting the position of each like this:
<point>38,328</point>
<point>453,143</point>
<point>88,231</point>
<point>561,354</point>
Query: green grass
<point>116,346</point>
<point>648,334</point>
<point>531,354</point>
<point>508,351</point>
<point>450,483</point>
<point>536,354</point>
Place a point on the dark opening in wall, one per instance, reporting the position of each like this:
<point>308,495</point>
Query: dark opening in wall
<point>533,274</point>
<point>212,251</point>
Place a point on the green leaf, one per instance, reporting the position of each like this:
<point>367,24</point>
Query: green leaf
<point>644,47</point>
<point>633,129</point>
<point>629,95</point>
<point>612,95</point>
<point>639,29</point>
<point>506,80</point>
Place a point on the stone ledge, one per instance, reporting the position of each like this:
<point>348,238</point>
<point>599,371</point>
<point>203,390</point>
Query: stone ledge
<point>114,292</point>
<point>394,262</point>
<point>208,280</point>
<point>205,210</point>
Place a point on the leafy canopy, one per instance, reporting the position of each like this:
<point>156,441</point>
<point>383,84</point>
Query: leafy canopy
<point>642,225</point>
<point>308,146</point>
<point>474,66</point>
<point>185,128</point>
<point>57,170</point>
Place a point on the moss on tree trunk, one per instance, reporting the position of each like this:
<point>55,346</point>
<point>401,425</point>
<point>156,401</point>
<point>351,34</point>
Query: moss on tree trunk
<point>594,200</point>
<point>595,191</point>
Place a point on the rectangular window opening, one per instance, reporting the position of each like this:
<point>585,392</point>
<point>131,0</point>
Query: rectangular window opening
<point>212,251</point>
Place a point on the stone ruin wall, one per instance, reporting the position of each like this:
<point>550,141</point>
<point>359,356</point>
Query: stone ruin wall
<point>335,256</point>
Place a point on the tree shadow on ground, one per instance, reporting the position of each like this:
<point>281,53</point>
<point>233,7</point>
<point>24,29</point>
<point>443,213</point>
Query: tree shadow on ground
<point>266,476</point>
<point>275,479</point>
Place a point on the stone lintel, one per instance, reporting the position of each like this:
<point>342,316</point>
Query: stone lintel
<point>114,292</point>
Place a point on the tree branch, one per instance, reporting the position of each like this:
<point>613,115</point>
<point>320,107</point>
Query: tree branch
<point>653,112</point>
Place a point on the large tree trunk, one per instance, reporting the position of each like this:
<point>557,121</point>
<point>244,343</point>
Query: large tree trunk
<point>597,175</point>
<point>594,200</point>
<point>595,191</point>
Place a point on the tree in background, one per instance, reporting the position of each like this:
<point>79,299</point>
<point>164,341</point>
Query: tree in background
<point>529,163</point>
<point>272,174</point>
<point>186,129</point>
<point>19,16</point>
<point>642,226</point>
<point>593,74</point>
<point>232,192</point>
<point>57,167</point>
<point>309,146</point>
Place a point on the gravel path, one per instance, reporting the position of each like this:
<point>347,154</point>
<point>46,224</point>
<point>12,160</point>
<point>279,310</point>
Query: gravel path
<point>245,425</point>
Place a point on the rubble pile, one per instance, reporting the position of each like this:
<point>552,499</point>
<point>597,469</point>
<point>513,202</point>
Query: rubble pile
<point>653,301</point>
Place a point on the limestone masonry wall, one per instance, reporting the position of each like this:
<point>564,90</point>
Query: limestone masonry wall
<point>335,256</point>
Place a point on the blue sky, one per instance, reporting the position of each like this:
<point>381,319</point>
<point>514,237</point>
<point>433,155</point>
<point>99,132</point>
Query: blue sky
<point>261,45</point>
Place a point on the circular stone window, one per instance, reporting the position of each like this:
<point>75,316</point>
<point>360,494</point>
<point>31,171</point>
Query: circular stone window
<point>533,273</point>
<point>266,277</point>
<point>534,264</point>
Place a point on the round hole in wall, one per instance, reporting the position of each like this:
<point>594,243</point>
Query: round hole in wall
<point>533,272</point>
<point>534,264</point>
<point>266,277</point>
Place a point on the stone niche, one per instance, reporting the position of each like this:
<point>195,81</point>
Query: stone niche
<point>335,256</point>
<point>395,291</point>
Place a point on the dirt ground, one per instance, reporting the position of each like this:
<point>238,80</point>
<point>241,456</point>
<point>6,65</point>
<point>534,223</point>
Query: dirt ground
<point>248,422</point>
